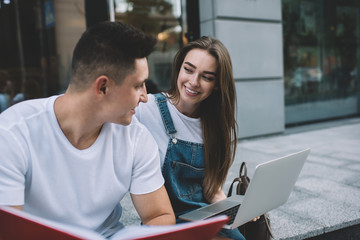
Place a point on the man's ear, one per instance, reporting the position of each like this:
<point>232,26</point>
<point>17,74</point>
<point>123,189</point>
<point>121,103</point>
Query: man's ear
<point>103,89</point>
<point>102,84</point>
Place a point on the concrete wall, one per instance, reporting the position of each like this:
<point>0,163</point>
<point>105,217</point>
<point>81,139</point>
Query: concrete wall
<point>252,32</point>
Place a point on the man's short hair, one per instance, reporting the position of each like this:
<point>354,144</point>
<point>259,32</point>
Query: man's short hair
<point>108,48</point>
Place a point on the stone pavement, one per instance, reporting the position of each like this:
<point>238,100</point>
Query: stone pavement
<point>326,197</point>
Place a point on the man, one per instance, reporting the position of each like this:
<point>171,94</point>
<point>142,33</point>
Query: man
<point>71,158</point>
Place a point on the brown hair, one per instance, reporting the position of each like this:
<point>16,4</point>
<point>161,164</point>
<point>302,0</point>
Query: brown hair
<point>108,48</point>
<point>217,113</point>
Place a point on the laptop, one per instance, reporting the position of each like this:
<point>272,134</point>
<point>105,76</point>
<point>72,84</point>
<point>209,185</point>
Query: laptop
<point>269,188</point>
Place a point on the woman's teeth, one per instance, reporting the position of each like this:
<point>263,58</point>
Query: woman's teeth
<point>191,91</point>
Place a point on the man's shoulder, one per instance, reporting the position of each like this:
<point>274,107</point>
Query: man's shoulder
<point>126,140</point>
<point>135,127</point>
<point>24,110</point>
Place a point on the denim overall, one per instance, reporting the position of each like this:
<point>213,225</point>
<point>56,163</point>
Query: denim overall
<point>183,170</point>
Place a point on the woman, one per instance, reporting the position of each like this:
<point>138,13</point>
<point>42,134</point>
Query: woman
<point>194,125</point>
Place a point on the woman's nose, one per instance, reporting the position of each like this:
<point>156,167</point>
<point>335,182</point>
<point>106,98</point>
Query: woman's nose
<point>194,80</point>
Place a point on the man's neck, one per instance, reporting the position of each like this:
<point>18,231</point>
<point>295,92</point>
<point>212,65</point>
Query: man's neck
<point>77,120</point>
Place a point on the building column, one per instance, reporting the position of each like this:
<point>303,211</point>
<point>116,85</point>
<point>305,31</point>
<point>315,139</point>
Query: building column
<point>252,32</point>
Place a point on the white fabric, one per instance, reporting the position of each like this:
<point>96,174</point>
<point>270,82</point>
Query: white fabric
<point>40,169</point>
<point>188,129</point>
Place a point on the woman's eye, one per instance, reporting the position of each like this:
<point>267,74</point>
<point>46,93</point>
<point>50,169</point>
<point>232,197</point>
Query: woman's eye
<point>208,78</point>
<point>187,70</point>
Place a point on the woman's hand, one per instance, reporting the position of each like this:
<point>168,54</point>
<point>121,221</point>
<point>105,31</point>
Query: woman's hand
<point>220,195</point>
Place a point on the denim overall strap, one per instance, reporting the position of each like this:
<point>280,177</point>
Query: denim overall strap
<point>184,171</point>
<point>183,167</point>
<point>165,114</point>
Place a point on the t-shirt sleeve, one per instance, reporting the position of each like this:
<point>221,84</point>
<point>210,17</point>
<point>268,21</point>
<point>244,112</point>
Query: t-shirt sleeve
<point>13,168</point>
<point>146,174</point>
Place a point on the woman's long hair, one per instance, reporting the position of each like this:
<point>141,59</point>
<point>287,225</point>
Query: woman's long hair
<point>217,114</point>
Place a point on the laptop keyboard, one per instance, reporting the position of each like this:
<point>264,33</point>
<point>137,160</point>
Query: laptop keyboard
<point>231,213</point>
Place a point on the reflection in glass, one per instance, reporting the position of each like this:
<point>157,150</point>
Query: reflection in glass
<point>28,56</point>
<point>162,19</point>
<point>320,50</point>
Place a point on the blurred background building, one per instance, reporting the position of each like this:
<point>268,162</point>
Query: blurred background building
<point>294,61</point>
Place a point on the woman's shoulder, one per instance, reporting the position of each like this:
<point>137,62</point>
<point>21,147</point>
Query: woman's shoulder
<point>145,110</point>
<point>152,100</point>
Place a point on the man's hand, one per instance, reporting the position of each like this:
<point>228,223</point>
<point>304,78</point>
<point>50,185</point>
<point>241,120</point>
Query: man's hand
<point>154,208</point>
<point>17,207</point>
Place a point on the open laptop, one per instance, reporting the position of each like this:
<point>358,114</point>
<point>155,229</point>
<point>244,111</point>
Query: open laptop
<point>270,187</point>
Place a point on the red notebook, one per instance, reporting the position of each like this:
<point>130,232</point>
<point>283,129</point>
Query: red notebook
<point>15,224</point>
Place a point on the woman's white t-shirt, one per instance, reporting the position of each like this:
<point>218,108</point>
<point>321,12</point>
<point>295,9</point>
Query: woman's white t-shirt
<point>188,129</point>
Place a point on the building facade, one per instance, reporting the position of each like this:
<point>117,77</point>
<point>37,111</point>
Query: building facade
<point>294,61</point>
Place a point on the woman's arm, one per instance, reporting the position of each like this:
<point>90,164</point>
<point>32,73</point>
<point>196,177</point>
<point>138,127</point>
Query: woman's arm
<point>220,195</point>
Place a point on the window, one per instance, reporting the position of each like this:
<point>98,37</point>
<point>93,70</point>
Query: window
<point>163,20</point>
<point>321,45</point>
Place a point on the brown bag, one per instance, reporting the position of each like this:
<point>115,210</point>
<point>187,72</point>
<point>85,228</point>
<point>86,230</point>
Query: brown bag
<point>259,230</point>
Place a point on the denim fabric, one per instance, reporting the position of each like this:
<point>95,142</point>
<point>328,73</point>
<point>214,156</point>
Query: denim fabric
<point>183,170</point>
<point>231,233</point>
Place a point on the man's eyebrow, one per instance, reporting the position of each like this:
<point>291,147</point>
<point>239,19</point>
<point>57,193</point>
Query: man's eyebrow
<point>192,65</point>
<point>140,82</point>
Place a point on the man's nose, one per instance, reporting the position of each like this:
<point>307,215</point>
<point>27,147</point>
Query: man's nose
<point>143,95</point>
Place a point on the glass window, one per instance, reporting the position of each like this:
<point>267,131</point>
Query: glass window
<point>23,47</point>
<point>36,44</point>
<point>38,37</point>
<point>320,49</point>
<point>321,45</point>
<point>162,19</point>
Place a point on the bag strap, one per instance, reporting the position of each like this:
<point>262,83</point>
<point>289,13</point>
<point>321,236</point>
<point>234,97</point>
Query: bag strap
<point>232,184</point>
<point>267,221</point>
<point>243,167</point>
<point>242,181</point>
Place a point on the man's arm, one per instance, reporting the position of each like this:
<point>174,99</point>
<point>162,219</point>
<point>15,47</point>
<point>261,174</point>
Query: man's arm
<point>13,167</point>
<point>17,207</point>
<point>154,208</point>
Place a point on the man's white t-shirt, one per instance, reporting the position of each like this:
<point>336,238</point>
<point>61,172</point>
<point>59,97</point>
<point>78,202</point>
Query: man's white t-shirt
<point>188,129</point>
<point>41,170</point>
